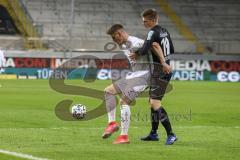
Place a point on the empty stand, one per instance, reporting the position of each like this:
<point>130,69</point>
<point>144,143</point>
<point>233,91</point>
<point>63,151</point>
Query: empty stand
<point>215,23</point>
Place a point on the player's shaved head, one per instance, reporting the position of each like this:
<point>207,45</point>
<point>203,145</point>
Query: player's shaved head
<point>150,14</point>
<point>114,28</point>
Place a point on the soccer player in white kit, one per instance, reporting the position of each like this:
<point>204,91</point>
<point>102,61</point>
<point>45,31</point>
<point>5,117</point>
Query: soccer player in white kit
<point>2,60</point>
<point>129,87</point>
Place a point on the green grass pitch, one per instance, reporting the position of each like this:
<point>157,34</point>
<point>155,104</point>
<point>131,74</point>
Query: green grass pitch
<point>205,116</point>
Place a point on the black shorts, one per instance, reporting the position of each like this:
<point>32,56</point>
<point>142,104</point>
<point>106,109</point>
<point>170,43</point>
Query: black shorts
<point>159,86</point>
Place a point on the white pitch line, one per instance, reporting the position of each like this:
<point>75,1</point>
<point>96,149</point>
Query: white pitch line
<point>21,155</point>
<point>97,128</point>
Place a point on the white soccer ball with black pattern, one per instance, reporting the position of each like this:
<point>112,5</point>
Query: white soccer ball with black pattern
<point>79,111</point>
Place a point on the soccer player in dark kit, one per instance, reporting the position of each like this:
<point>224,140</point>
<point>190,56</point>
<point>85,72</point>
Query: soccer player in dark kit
<point>159,81</point>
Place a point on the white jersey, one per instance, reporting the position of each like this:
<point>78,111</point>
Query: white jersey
<point>137,80</point>
<point>141,63</point>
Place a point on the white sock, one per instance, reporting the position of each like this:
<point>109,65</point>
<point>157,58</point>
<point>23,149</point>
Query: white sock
<point>125,119</point>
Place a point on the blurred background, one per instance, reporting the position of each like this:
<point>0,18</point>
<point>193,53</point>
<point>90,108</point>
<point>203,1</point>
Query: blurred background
<point>201,30</point>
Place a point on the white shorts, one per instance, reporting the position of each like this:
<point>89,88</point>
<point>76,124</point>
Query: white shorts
<point>132,85</point>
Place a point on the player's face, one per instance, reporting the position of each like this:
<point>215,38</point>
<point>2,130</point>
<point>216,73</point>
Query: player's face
<point>118,38</point>
<point>148,23</point>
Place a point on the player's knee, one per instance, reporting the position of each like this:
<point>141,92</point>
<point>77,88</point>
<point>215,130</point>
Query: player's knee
<point>155,103</point>
<point>108,89</point>
<point>124,101</point>
<point>151,103</point>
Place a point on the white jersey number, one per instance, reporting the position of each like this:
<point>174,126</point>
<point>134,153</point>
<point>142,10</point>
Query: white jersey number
<point>166,46</point>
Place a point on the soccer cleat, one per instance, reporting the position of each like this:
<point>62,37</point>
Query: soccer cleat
<point>110,129</point>
<point>122,139</point>
<point>171,139</point>
<point>151,137</point>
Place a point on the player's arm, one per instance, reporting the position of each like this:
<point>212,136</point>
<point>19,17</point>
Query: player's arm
<point>159,53</point>
<point>146,46</point>
<point>147,43</point>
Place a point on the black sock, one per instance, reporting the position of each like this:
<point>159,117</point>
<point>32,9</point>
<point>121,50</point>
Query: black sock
<point>154,121</point>
<point>163,117</point>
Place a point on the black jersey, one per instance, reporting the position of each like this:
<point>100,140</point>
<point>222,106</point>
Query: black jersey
<point>162,37</point>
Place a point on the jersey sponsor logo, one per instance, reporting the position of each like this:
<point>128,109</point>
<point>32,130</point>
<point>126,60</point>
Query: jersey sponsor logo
<point>149,36</point>
<point>163,34</point>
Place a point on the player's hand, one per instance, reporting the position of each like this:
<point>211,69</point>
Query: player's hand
<point>133,56</point>
<point>166,68</point>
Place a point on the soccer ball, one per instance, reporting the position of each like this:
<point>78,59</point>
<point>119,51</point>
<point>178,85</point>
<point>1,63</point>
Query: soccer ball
<point>79,111</point>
